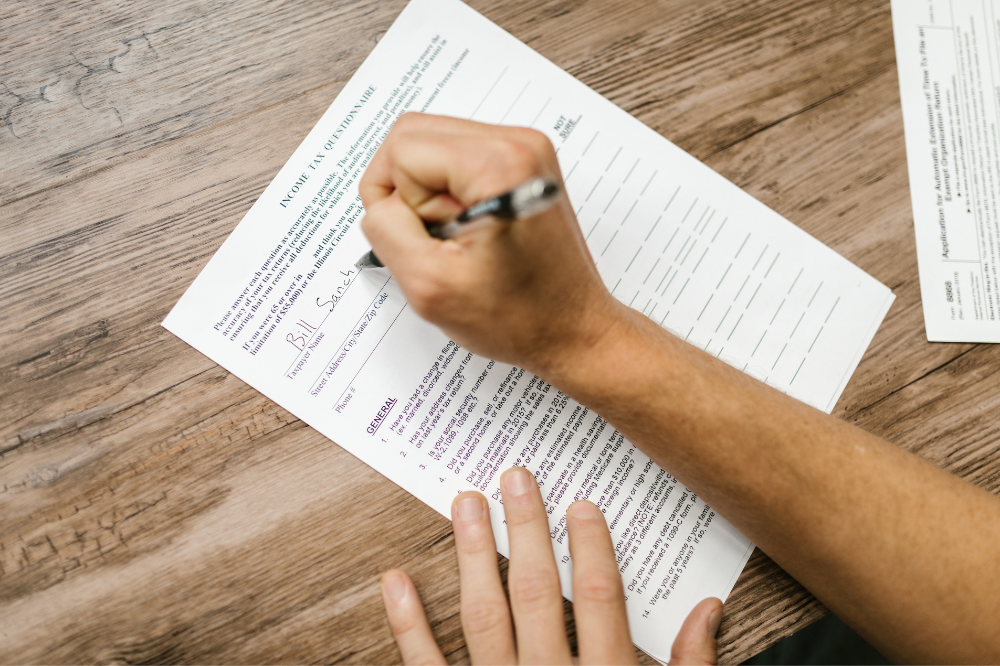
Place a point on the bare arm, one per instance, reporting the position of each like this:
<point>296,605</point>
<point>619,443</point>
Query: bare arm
<point>904,552</point>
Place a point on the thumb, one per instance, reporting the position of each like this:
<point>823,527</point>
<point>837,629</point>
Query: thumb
<point>695,643</point>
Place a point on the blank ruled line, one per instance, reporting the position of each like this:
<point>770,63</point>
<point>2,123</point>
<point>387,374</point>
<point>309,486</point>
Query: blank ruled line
<point>741,247</point>
<point>629,212</point>
<point>754,296</point>
<point>633,299</point>
<point>650,315</point>
<point>779,357</point>
<point>514,102</point>
<point>707,223</point>
<point>689,333</point>
<point>831,311</point>
<point>584,153</point>
<point>724,275</point>
<point>633,259</point>
<point>594,188</point>
<point>698,223</point>
<point>609,242</point>
<point>566,179</point>
<point>689,253</point>
<point>682,248</point>
<point>651,270</point>
<point>758,344</point>
<point>489,91</point>
<point>670,241</point>
<point>540,111</point>
<point>664,317</point>
<point>648,183</point>
<point>664,292</point>
<point>631,170</point>
<point>776,312</point>
<point>613,159</point>
<point>689,211</point>
<point>735,327</point>
<point>723,318</point>
<point>610,201</point>
<point>801,317</point>
<point>797,371</point>
<point>693,270</point>
<point>815,339</point>
<point>671,198</point>
<point>616,286</point>
<point>719,230</point>
<point>705,308</point>
<point>682,290</point>
<point>768,272</point>
<point>795,280</point>
<point>745,280</point>
<point>661,279</point>
<point>578,210</point>
<point>814,295</point>
<point>592,229</point>
<point>647,305</point>
<point>653,227</point>
<point>762,253</point>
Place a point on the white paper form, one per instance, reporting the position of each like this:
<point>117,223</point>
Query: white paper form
<point>282,307</point>
<point>948,55</point>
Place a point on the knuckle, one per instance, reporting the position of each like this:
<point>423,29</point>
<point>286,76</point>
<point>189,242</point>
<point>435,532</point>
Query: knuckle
<point>539,142</point>
<point>408,120</point>
<point>485,617</point>
<point>599,588</point>
<point>403,121</point>
<point>402,623</point>
<point>522,159</point>
<point>518,515</point>
<point>474,540</point>
<point>534,588</point>
<point>369,221</point>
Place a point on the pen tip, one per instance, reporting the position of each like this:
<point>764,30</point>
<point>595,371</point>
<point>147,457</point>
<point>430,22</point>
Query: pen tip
<point>368,260</point>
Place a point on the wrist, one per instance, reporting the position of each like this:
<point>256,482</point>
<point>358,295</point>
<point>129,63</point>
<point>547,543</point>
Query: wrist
<point>601,360</point>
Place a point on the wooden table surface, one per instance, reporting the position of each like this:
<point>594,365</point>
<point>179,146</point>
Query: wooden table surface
<point>153,508</point>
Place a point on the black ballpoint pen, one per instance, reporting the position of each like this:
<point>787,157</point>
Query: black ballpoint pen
<point>529,198</point>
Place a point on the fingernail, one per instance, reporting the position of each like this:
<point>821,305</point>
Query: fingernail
<point>393,586</point>
<point>469,509</point>
<point>517,481</point>
<point>714,619</point>
<point>584,510</point>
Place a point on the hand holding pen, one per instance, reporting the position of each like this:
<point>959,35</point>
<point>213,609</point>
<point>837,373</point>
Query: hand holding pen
<point>524,292</point>
<point>530,198</point>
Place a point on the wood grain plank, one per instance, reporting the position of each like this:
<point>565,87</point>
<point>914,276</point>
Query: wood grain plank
<point>155,508</point>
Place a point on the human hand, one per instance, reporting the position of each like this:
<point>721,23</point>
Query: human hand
<point>535,612</point>
<point>525,292</point>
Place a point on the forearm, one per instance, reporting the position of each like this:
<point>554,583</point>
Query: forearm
<point>886,540</point>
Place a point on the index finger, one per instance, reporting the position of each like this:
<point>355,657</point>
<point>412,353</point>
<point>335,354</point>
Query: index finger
<point>383,175</point>
<point>598,595</point>
<point>532,577</point>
